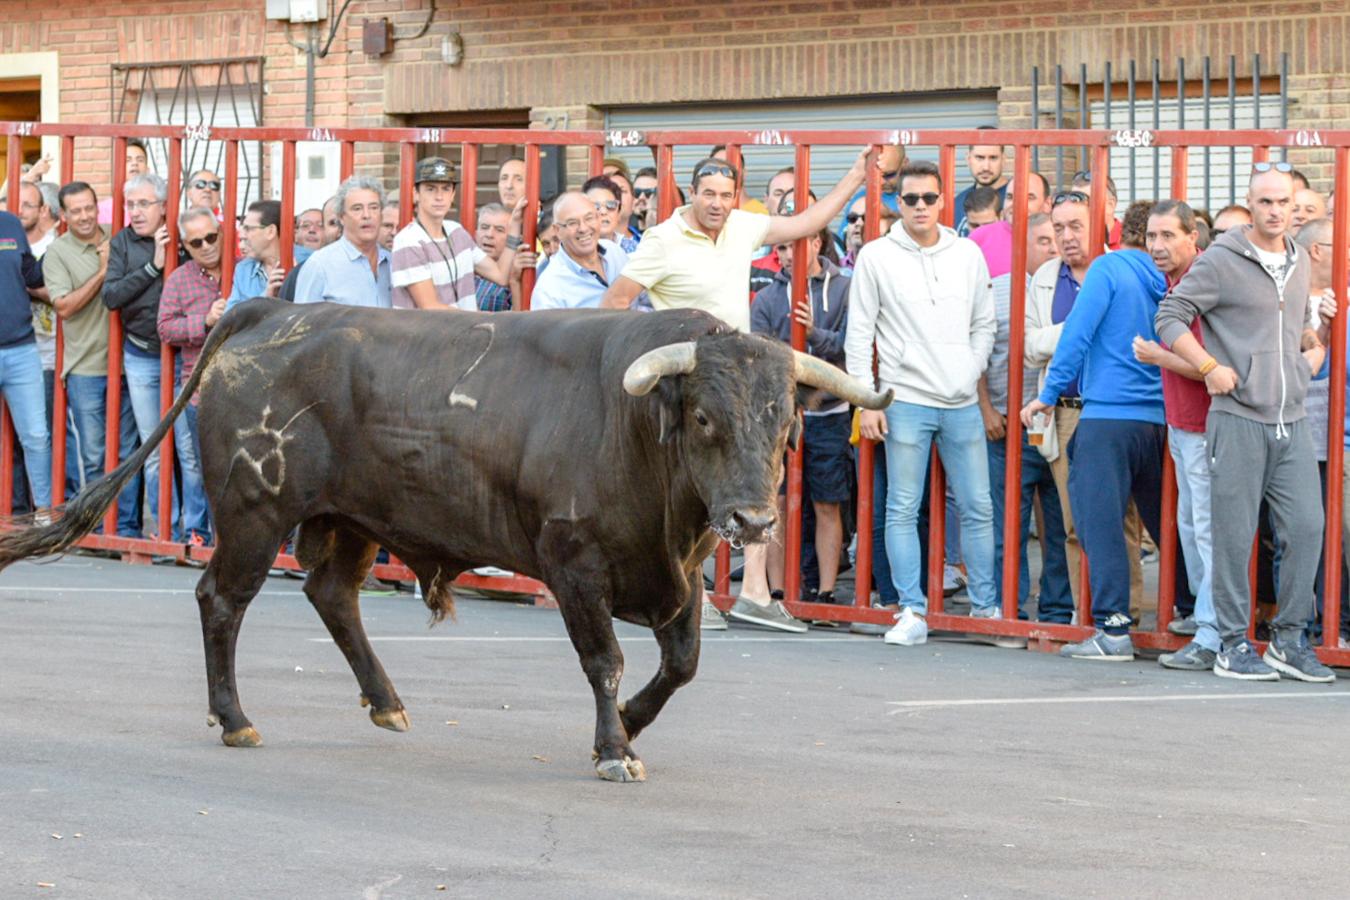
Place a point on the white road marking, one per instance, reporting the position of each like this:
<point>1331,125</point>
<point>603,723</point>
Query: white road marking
<point>186,589</point>
<point>907,705</point>
<point>549,639</point>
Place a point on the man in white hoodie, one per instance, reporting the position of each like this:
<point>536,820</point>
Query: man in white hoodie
<point>924,296</point>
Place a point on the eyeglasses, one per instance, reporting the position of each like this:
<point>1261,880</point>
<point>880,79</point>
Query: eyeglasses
<point>590,219</point>
<point>196,243</point>
<point>644,192</point>
<point>715,169</point>
<point>142,204</point>
<point>610,205</point>
<point>1272,167</point>
<point>854,218</point>
<point>202,184</point>
<point>1069,197</point>
<point>929,199</point>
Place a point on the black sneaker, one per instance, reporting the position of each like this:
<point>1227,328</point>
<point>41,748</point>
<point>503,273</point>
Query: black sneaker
<point>1240,661</point>
<point>1295,659</point>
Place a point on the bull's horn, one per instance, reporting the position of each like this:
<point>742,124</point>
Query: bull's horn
<point>647,369</point>
<point>820,374</point>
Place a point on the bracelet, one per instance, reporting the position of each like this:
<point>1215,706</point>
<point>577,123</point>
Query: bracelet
<point>513,241</point>
<point>1208,366</point>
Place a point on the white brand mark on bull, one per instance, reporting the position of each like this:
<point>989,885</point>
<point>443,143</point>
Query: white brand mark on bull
<point>279,437</point>
<point>456,398</point>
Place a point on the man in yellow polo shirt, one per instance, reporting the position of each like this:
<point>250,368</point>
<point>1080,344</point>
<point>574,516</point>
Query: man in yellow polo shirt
<point>699,258</point>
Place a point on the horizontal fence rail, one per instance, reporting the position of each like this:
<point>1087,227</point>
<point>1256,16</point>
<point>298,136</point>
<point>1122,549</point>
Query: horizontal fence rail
<point>1026,144</point>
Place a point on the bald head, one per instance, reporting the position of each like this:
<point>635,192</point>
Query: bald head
<point>578,224</point>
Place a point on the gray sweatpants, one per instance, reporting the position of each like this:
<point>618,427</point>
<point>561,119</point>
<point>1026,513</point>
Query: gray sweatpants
<point>1247,464</point>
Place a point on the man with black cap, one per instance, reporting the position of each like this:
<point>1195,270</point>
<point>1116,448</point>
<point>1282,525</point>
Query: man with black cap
<point>435,258</point>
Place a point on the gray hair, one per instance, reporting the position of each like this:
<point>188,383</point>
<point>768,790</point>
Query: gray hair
<point>192,215</point>
<point>150,180</point>
<point>358,183</point>
<point>493,208</point>
<point>50,199</point>
<point>566,195</point>
<point>1314,231</point>
<point>1036,220</point>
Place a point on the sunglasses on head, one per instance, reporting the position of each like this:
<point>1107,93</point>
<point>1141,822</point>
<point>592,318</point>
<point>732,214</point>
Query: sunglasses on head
<point>644,192</point>
<point>196,243</point>
<point>202,184</point>
<point>1272,167</point>
<point>929,199</point>
<point>1069,197</point>
<point>715,169</point>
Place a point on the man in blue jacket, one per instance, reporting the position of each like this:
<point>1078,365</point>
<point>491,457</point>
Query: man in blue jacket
<point>1117,451</point>
<point>828,454</point>
<point>20,366</point>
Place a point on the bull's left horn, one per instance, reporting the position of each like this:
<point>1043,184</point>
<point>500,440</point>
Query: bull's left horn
<point>647,369</point>
<point>820,374</point>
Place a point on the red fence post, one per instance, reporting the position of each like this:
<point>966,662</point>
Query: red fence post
<point>595,163</point>
<point>113,416</point>
<point>59,401</point>
<point>1340,271</point>
<point>346,160</point>
<point>230,204</point>
<point>1012,471</point>
<point>468,198</point>
<point>166,352</point>
<point>13,164</point>
<point>862,565</point>
<point>287,231</point>
<point>801,290</point>
<point>407,163</point>
<point>530,226</point>
<point>667,195</point>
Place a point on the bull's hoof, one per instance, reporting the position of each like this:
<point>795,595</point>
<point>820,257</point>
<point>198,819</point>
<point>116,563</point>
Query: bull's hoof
<point>393,719</point>
<point>626,769</point>
<point>212,720</point>
<point>242,737</point>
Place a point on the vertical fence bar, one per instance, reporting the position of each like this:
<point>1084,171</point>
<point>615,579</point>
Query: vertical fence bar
<point>530,226</point>
<point>1205,111</point>
<point>595,163</point>
<point>166,355</point>
<point>1012,472</point>
<point>862,579</point>
<point>1106,96</point>
<point>947,169</point>
<point>1157,123</point>
<point>1256,90</point>
<point>1059,124</point>
<point>722,569</point>
<point>287,236</point>
<point>1181,126</point>
<point>59,400</point>
<point>1036,113</point>
<point>346,160</point>
<point>666,196</point>
<point>1284,101</point>
<point>1340,272</point>
<point>113,416</point>
<point>1232,124</point>
<point>14,162</point>
<point>407,162</point>
<point>230,203</point>
<point>1082,108</point>
<point>800,290</point>
<point>468,198</point>
<point>1132,93</point>
<point>1167,540</point>
<point>937,481</point>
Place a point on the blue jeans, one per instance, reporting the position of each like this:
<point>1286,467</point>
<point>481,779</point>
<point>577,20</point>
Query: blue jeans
<point>911,431</point>
<point>196,515</point>
<point>1056,597</point>
<point>143,382</point>
<point>881,567</point>
<point>24,389</point>
<point>1112,461</point>
<point>1191,459</point>
<point>86,412</point>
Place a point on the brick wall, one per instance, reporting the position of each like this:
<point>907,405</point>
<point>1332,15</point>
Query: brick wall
<point>579,56</point>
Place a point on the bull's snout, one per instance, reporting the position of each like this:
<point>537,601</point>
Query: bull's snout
<point>752,524</point>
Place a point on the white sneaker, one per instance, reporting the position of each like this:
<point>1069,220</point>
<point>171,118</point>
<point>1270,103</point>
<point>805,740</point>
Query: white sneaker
<point>910,629</point>
<point>952,580</point>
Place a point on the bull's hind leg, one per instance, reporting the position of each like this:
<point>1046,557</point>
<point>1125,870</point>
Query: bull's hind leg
<point>679,642</point>
<point>338,559</point>
<point>235,574</point>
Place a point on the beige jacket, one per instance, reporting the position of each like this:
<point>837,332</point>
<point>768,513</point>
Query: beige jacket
<point>1041,337</point>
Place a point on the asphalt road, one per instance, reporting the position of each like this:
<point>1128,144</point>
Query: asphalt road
<point>822,766</point>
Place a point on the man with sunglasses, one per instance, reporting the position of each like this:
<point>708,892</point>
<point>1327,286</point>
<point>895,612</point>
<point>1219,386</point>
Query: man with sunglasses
<point>189,307</point>
<point>923,296</point>
<point>644,198</point>
<point>1251,292</point>
<point>202,191</point>
<point>699,258</point>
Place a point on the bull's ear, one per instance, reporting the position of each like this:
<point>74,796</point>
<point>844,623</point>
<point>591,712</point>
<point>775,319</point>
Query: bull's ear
<point>795,432</point>
<point>671,407</point>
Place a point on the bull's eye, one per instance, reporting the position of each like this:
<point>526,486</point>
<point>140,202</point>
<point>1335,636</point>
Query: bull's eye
<point>700,418</point>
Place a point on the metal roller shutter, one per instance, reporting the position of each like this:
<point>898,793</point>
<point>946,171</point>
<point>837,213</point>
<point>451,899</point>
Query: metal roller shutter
<point>966,109</point>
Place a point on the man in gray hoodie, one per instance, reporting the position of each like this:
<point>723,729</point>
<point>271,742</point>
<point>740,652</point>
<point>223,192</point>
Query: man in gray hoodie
<point>924,296</point>
<point>1250,290</point>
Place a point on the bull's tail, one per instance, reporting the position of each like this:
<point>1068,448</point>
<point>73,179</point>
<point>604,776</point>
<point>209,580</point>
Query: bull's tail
<point>75,519</point>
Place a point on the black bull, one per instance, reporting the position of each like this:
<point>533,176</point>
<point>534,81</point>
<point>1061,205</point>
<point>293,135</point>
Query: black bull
<point>601,452</point>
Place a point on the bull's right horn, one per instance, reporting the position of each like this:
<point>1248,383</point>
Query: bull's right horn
<point>820,374</point>
<point>647,369</point>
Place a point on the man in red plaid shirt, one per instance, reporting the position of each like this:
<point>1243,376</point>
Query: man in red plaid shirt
<point>190,304</point>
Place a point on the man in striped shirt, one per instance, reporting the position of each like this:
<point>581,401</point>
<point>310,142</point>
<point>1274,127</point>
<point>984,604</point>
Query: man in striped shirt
<point>435,259</point>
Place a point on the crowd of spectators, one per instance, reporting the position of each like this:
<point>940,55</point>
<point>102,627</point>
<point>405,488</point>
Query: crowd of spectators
<point>1116,371</point>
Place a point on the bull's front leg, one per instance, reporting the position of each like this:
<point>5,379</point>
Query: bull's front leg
<point>679,642</point>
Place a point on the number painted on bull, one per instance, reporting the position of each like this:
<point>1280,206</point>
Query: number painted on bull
<point>1133,137</point>
<point>770,137</point>
<point>629,138</point>
<point>1306,138</point>
<point>904,137</point>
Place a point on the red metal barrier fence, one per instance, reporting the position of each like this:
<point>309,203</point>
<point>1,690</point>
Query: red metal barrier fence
<point>663,144</point>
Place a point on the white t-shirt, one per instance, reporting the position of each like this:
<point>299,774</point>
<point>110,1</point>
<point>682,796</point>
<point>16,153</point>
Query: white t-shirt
<point>446,261</point>
<point>44,317</point>
<point>1277,266</point>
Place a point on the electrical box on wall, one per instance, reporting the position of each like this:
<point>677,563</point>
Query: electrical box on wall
<point>308,10</point>
<point>377,37</point>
